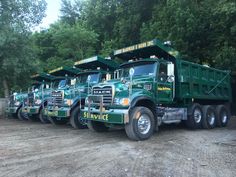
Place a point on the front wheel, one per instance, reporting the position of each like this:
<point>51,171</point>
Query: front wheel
<point>21,115</point>
<point>75,119</point>
<point>42,117</point>
<point>141,124</point>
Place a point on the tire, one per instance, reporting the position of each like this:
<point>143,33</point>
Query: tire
<point>42,117</point>
<point>97,126</point>
<point>195,115</point>
<point>222,116</point>
<point>75,120</point>
<point>20,115</point>
<point>54,121</point>
<point>141,124</point>
<point>209,117</point>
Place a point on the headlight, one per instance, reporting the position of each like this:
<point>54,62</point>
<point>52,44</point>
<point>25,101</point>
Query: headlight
<point>38,101</point>
<point>68,102</point>
<point>87,101</point>
<point>122,101</point>
<point>17,103</point>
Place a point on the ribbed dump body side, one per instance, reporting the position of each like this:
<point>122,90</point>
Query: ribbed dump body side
<point>201,82</point>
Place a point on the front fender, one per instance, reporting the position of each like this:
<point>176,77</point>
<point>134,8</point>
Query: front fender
<point>142,95</point>
<point>77,101</point>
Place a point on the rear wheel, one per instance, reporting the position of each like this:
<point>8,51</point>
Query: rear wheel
<point>42,117</point>
<point>222,115</point>
<point>75,120</point>
<point>141,124</point>
<point>97,126</point>
<point>195,115</point>
<point>55,121</point>
<point>209,117</point>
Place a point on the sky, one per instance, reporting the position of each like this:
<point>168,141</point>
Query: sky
<point>52,14</point>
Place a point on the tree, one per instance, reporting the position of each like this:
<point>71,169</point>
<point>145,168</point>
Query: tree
<point>71,12</point>
<point>74,42</point>
<point>203,31</point>
<point>17,61</point>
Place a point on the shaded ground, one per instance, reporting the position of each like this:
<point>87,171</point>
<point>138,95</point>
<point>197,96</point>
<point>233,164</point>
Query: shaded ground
<point>33,149</point>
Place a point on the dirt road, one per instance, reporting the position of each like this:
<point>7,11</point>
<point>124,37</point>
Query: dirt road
<point>33,149</point>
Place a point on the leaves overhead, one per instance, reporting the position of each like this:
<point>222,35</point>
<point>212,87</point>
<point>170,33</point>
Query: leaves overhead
<point>204,31</point>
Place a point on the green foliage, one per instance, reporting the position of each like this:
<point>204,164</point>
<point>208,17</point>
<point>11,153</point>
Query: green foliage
<point>17,59</point>
<point>76,42</point>
<point>56,62</point>
<point>71,12</point>
<point>204,31</point>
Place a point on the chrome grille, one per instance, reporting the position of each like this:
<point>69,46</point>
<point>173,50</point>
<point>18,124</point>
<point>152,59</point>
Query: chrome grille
<point>12,100</point>
<point>31,98</point>
<point>57,98</point>
<point>105,92</point>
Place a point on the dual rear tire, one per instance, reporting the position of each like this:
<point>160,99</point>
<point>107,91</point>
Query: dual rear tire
<point>207,116</point>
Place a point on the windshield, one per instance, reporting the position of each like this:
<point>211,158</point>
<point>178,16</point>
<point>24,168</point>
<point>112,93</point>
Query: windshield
<point>147,69</point>
<point>62,83</point>
<point>94,78</point>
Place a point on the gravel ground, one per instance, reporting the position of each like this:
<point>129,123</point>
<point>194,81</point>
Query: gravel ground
<point>33,149</point>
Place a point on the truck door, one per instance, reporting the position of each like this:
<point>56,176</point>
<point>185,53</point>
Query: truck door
<point>164,93</point>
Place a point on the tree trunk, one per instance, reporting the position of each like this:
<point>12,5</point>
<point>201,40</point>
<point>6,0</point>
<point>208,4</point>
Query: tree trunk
<point>5,87</point>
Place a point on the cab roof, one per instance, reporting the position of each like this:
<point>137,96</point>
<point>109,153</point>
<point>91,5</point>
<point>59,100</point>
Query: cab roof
<point>62,71</point>
<point>40,77</point>
<point>146,49</point>
<point>146,60</point>
<point>97,61</point>
<point>92,72</point>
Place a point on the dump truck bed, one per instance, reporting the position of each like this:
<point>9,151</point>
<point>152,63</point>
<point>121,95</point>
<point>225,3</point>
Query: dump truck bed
<point>201,82</point>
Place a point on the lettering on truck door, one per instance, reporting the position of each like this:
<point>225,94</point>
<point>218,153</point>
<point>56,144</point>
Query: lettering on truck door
<point>164,92</point>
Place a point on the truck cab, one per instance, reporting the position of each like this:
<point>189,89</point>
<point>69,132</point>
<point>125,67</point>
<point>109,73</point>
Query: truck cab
<point>65,104</point>
<point>157,87</point>
<point>37,95</point>
<point>15,104</point>
<point>65,76</point>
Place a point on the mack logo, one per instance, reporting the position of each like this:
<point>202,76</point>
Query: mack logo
<point>102,92</point>
<point>57,95</point>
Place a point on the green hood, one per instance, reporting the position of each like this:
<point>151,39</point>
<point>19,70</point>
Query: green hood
<point>140,85</point>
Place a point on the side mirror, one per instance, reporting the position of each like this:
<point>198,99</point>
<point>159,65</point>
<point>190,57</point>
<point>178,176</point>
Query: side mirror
<point>131,72</point>
<point>89,78</point>
<point>170,72</point>
<point>72,81</point>
<point>108,77</point>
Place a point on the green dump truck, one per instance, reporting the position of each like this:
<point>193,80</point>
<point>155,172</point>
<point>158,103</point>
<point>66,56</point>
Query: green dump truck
<point>65,103</point>
<point>15,103</point>
<point>156,87</point>
<point>37,96</point>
